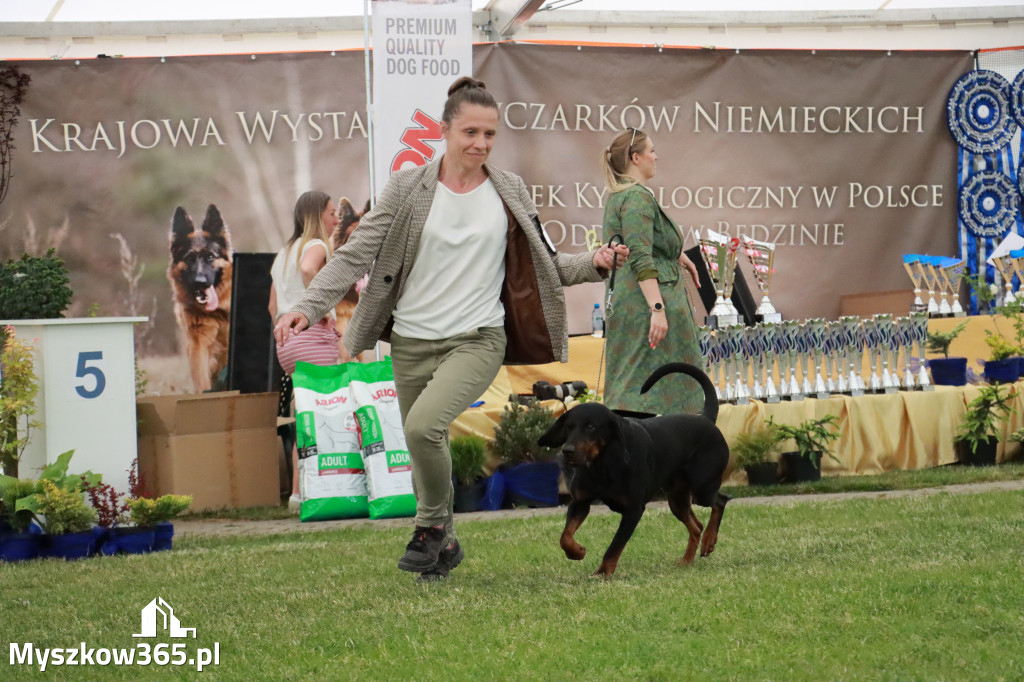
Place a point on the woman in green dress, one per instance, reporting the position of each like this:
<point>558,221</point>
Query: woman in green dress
<point>652,317</point>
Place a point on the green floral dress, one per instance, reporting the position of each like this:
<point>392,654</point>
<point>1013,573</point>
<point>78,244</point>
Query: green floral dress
<point>654,245</point>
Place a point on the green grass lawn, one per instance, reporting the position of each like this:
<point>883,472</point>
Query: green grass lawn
<point>918,588</point>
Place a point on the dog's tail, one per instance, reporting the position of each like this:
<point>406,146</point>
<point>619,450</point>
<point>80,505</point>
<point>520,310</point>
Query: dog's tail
<point>710,395</point>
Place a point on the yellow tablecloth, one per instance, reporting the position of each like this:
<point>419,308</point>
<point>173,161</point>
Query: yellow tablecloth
<point>904,430</point>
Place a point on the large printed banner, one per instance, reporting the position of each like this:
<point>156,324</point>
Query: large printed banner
<point>419,48</point>
<point>843,159</point>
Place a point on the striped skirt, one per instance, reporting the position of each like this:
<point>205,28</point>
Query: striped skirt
<point>317,345</point>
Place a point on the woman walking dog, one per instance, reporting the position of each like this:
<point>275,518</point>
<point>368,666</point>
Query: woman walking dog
<point>461,280</point>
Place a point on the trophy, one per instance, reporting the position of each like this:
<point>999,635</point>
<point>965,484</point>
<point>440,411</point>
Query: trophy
<point>885,332</point>
<point>803,351</point>
<point>837,342</point>
<point>919,324</point>
<point>735,386</point>
<point>905,339</point>
<point>854,338</point>
<point>930,277</point>
<point>1004,264</point>
<point>761,256</point>
<point>1017,261</point>
<point>704,340</point>
<point>872,342</point>
<point>752,359</point>
<point>782,353</point>
<point>828,352</point>
<point>790,334</point>
<point>952,271</point>
<point>768,336</point>
<point>939,281</point>
<point>814,339</point>
<point>719,255</point>
<point>912,264</point>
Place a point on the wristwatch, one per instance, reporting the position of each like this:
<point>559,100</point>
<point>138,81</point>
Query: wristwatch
<point>657,307</point>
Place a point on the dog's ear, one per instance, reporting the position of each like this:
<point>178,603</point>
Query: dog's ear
<point>348,220</point>
<point>213,224</point>
<point>346,213</point>
<point>181,224</point>
<point>556,435</point>
<point>366,209</point>
<point>617,429</point>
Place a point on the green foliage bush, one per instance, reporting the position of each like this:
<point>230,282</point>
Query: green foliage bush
<point>938,342</point>
<point>34,288</point>
<point>468,456</point>
<point>64,510</point>
<point>18,389</point>
<point>515,436</point>
<point>145,511</point>
<point>984,413</point>
<point>758,446</point>
<point>812,437</point>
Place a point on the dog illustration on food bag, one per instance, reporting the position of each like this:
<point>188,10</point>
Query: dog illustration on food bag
<point>200,276</point>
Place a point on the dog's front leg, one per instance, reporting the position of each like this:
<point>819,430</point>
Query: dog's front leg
<point>575,515</point>
<point>630,518</point>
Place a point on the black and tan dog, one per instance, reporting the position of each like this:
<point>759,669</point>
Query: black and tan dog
<point>625,462</point>
<point>200,276</point>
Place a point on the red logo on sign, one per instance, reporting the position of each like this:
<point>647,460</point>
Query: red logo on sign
<point>333,400</point>
<point>417,151</point>
<point>384,393</point>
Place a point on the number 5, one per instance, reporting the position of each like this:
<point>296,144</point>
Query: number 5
<point>84,370</point>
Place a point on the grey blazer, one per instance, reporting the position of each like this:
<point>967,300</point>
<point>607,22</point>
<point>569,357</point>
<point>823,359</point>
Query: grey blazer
<point>386,242</point>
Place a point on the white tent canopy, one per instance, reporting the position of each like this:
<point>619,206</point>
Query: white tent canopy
<point>85,28</point>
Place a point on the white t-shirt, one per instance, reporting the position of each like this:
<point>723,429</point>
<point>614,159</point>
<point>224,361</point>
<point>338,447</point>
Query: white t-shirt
<point>287,274</point>
<point>455,284</point>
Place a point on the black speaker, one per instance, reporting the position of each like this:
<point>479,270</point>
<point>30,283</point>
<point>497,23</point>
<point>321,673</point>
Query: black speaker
<point>252,361</point>
<point>741,296</point>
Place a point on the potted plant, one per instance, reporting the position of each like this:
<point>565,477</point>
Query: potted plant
<point>469,453</point>
<point>1015,313</point>
<point>528,471</point>
<point>111,510</point>
<point>983,291</point>
<point>16,542</point>
<point>67,521</point>
<point>976,437</point>
<point>21,500</point>
<point>757,452</point>
<point>947,371</point>
<point>1017,454</point>
<point>1003,367</point>
<point>18,389</point>
<point>147,516</point>
<point>812,438</point>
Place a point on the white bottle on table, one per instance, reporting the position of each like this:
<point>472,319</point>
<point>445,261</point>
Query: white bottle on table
<point>597,322</point>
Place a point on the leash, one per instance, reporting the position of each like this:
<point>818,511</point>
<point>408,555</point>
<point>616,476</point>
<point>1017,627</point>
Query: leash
<point>608,305</point>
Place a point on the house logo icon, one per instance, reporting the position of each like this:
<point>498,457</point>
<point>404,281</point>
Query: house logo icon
<point>159,612</point>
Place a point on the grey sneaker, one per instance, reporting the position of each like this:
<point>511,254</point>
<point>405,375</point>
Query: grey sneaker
<point>422,552</point>
<point>450,557</point>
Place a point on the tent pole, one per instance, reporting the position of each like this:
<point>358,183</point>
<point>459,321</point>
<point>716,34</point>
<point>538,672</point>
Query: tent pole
<point>369,116</point>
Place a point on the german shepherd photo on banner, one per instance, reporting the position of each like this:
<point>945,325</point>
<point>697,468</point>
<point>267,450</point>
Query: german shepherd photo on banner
<point>200,277</point>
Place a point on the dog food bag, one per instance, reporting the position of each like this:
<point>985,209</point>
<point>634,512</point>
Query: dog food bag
<point>332,477</point>
<point>388,467</point>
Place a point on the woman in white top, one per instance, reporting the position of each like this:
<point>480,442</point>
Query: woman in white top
<point>459,265</point>
<point>295,266</point>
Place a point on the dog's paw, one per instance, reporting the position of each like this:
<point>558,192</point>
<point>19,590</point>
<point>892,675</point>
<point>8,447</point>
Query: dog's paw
<point>576,553</point>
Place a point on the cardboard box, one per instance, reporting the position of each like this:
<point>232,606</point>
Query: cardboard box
<point>221,448</point>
